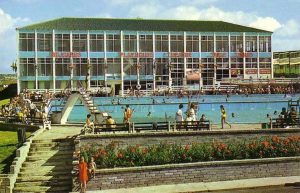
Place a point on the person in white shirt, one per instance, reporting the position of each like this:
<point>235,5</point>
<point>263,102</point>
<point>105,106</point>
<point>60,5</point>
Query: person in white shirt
<point>179,116</point>
<point>192,112</point>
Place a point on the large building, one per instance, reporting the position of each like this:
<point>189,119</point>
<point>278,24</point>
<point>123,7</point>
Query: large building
<point>287,64</point>
<point>146,54</point>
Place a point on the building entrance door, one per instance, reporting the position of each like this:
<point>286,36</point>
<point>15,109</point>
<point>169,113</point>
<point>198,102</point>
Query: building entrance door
<point>117,89</point>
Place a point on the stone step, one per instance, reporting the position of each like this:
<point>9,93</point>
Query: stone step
<point>48,157</point>
<point>43,178</point>
<point>53,152</point>
<point>47,168</point>
<point>54,148</point>
<point>41,163</point>
<point>52,144</point>
<point>45,173</point>
<point>41,189</point>
<point>53,182</point>
<point>63,140</point>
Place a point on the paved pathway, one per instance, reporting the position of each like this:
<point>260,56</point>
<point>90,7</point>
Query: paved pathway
<point>208,187</point>
<point>57,132</point>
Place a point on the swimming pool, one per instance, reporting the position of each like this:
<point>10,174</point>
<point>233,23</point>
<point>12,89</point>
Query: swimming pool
<point>251,109</point>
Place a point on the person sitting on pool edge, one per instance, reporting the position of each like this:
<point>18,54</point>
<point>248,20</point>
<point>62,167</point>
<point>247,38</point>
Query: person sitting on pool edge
<point>89,123</point>
<point>110,122</point>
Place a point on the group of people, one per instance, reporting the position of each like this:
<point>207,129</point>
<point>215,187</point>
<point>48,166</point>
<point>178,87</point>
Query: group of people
<point>86,170</point>
<point>285,117</point>
<point>191,115</point>
<point>27,106</point>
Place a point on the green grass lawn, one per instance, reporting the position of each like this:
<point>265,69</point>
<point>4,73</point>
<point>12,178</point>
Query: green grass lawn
<point>4,102</point>
<point>8,146</point>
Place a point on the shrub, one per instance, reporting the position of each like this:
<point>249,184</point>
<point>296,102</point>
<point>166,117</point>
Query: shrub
<point>111,156</point>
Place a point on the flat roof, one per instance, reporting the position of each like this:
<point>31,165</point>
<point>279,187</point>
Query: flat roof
<point>66,23</point>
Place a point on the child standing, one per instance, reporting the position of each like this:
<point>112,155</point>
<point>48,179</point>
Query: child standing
<point>92,168</point>
<point>83,177</point>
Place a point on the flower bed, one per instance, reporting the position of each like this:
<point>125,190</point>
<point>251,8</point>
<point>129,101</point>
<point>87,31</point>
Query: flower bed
<point>112,155</point>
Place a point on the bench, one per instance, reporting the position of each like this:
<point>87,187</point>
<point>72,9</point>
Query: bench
<point>193,125</point>
<point>155,126</point>
<point>98,128</point>
<point>282,123</point>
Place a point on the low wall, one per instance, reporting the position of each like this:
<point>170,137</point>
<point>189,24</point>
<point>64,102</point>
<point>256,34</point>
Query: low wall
<point>146,139</point>
<point>193,172</point>
<point>14,127</point>
<point>21,155</point>
<point>5,183</point>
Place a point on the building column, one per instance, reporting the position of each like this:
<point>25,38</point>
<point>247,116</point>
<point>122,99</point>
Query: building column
<point>184,59</point>
<point>53,62</point>
<point>215,62</point>
<point>88,62</point>
<point>138,59</point>
<point>258,67</point>
<point>154,62</point>
<point>229,55</point>
<point>122,66</point>
<point>244,57</point>
<point>105,61</point>
<point>18,65</point>
<point>169,63</point>
<point>272,67</point>
<point>200,62</point>
<point>71,60</point>
<point>35,60</point>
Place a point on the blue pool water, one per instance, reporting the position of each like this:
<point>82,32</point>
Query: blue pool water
<point>252,109</point>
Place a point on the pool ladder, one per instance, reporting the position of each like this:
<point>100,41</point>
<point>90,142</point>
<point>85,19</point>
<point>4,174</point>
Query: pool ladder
<point>295,104</point>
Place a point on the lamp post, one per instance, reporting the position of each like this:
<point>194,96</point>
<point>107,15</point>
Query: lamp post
<point>138,66</point>
<point>71,66</point>
<point>170,75</point>
<point>105,78</point>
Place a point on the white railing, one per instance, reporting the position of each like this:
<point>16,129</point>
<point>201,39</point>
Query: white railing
<point>275,80</point>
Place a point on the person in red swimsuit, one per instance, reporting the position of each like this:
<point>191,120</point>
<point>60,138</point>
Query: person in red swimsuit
<point>83,174</point>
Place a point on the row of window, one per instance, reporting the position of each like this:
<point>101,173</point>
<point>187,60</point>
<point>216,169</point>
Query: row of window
<point>113,43</point>
<point>145,66</point>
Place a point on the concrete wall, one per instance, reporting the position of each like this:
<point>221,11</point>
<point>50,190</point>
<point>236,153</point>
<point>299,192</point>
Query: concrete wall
<point>193,172</point>
<point>14,127</point>
<point>146,139</point>
<point>4,183</point>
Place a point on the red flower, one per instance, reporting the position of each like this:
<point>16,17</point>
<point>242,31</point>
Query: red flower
<point>187,147</point>
<point>120,155</point>
<point>133,149</point>
<point>265,143</point>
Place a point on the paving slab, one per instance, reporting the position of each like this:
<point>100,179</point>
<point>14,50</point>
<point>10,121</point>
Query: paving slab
<point>207,187</point>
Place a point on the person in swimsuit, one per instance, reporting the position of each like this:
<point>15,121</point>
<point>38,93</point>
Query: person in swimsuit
<point>223,117</point>
<point>83,174</point>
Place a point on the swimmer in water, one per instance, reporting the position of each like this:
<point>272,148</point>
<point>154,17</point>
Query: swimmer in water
<point>275,113</point>
<point>203,100</point>
<point>232,115</point>
<point>149,114</point>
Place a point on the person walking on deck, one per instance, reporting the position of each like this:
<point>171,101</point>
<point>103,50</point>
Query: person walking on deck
<point>223,117</point>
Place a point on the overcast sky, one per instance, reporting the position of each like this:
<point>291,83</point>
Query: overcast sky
<point>280,16</point>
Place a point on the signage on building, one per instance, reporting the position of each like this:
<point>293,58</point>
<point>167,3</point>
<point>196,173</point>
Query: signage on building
<point>65,54</point>
<point>136,55</point>
<point>244,55</point>
<point>178,54</point>
<point>264,71</point>
<point>235,71</point>
<point>192,74</point>
<point>251,71</point>
<point>219,55</point>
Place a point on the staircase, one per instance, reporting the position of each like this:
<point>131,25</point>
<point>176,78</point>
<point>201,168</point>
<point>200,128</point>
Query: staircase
<point>89,103</point>
<point>47,168</point>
